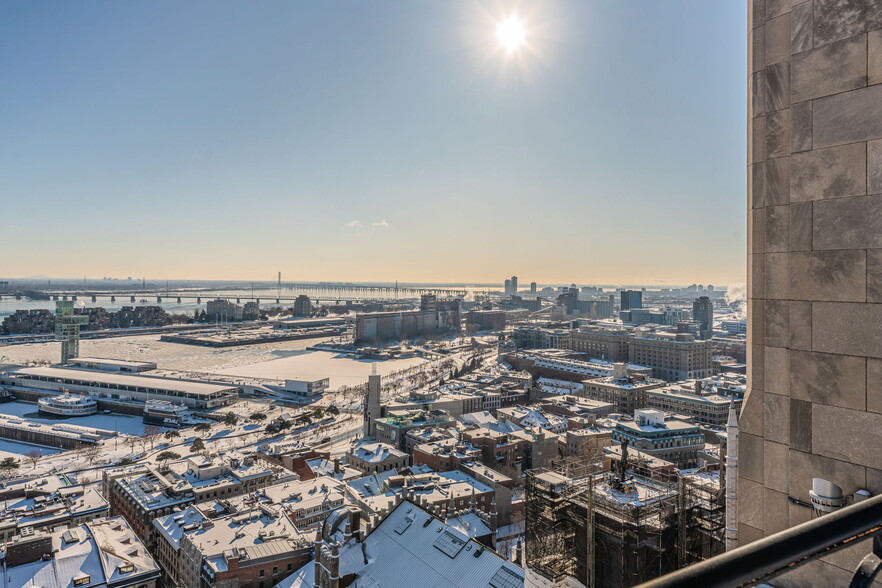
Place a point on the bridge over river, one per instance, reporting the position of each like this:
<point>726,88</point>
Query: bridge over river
<point>285,294</point>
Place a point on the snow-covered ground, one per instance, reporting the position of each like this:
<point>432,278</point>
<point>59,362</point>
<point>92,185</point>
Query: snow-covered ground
<point>166,355</point>
<point>16,449</point>
<point>245,435</point>
<point>278,360</point>
<point>342,369</point>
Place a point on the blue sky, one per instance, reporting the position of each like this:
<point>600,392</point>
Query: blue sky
<point>232,140</point>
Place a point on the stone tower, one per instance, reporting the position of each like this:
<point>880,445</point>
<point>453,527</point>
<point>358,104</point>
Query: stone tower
<point>732,479</point>
<point>814,401</point>
<point>372,406</point>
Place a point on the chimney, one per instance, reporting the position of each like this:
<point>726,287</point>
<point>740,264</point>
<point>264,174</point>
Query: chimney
<point>494,521</point>
<point>337,469</point>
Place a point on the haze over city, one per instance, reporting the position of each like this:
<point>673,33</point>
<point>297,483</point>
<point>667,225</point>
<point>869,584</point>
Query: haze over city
<point>374,141</point>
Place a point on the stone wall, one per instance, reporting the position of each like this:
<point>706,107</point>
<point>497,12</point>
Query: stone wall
<point>814,407</point>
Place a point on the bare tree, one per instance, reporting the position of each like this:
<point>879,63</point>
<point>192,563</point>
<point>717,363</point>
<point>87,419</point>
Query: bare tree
<point>34,456</point>
<point>91,453</point>
<point>150,434</point>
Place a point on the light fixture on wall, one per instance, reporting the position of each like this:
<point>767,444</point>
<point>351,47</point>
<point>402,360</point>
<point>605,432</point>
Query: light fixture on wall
<point>828,497</point>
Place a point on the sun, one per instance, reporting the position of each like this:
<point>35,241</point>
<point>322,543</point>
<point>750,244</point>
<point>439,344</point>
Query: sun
<point>511,34</point>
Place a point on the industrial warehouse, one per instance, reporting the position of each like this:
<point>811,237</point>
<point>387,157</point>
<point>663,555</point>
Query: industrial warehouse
<point>119,386</point>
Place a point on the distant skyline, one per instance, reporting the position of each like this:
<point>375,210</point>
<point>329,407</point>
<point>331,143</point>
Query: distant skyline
<point>270,284</point>
<point>342,141</point>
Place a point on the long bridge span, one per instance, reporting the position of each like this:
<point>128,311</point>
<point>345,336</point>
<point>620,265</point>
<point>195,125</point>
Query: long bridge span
<point>333,293</point>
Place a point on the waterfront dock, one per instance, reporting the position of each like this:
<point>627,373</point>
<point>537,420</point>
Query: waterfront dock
<point>253,337</point>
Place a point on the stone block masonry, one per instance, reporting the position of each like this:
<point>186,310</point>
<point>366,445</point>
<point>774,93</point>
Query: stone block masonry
<point>814,402</point>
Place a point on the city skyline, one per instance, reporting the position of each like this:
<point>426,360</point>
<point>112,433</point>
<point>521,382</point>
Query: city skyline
<point>346,143</point>
<point>154,282</point>
<point>455,292</point>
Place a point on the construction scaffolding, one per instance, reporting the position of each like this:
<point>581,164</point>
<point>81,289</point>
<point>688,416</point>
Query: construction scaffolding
<point>702,514</point>
<point>619,528</point>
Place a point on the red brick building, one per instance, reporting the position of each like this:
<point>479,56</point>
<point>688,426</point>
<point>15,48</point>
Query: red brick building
<point>445,455</point>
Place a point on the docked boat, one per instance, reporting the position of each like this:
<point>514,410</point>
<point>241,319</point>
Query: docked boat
<point>164,413</point>
<point>67,404</point>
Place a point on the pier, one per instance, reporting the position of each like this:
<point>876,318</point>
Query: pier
<point>62,436</point>
<point>238,339</point>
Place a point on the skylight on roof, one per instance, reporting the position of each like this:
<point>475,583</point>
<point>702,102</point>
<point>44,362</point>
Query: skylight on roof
<point>506,578</point>
<point>403,525</point>
<point>449,544</point>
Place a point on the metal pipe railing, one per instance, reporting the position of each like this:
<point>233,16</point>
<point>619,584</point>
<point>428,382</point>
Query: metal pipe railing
<point>779,553</point>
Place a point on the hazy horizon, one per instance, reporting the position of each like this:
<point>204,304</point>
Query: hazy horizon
<point>271,284</point>
<point>376,141</point>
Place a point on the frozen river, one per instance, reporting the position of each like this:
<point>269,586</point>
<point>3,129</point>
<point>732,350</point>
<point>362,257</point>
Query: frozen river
<point>16,449</point>
<point>280,360</point>
<point>342,369</point>
<point>172,356</point>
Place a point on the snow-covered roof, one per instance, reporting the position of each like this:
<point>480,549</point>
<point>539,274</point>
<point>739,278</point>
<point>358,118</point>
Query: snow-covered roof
<point>478,418</point>
<point>377,452</point>
<point>96,378</point>
<point>412,548</point>
<point>534,417</point>
<point>377,492</point>
<point>39,510</point>
<point>104,550</point>
<point>326,468</point>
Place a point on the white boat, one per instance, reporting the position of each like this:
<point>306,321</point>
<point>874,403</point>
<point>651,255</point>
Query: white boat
<point>164,413</point>
<point>67,404</point>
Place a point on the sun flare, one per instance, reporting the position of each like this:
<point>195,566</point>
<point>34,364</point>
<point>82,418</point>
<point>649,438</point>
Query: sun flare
<point>511,34</point>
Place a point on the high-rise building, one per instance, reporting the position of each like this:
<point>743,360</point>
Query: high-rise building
<point>532,287</point>
<point>507,287</point>
<point>302,306</point>
<point>251,310</point>
<point>514,284</point>
<point>221,310</point>
<point>813,408</point>
<point>703,312</point>
<point>631,299</point>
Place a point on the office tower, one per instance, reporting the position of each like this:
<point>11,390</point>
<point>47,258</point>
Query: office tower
<point>302,306</point>
<point>532,287</point>
<point>514,284</point>
<point>631,299</point>
<point>814,402</point>
<point>703,312</point>
<point>429,302</point>
<point>507,287</point>
<point>569,299</point>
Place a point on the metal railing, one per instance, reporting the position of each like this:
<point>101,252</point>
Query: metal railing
<point>763,560</point>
